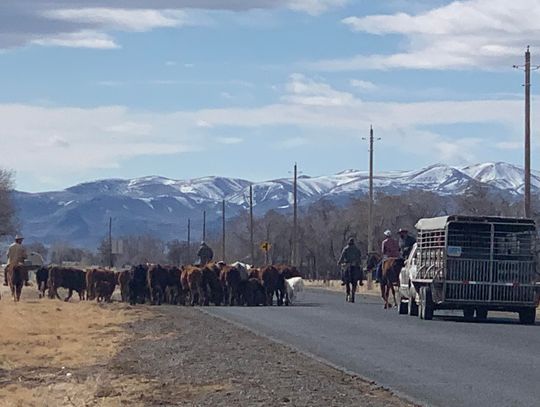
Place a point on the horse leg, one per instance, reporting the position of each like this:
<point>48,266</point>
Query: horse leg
<point>353,291</point>
<point>19,290</point>
<point>394,295</point>
<point>348,291</point>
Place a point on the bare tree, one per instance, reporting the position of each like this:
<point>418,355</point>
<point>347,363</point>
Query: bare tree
<point>7,210</point>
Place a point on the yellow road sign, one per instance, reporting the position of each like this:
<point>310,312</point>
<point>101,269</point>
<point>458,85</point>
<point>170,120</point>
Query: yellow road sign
<point>265,246</point>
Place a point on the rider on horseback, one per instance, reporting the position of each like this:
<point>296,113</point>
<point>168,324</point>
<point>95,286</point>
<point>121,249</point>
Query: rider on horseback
<point>390,249</point>
<point>351,257</point>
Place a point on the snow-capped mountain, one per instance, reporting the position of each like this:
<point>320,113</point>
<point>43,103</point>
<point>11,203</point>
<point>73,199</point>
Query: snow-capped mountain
<point>161,206</point>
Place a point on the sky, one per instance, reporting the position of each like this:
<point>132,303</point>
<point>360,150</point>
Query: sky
<point>245,88</point>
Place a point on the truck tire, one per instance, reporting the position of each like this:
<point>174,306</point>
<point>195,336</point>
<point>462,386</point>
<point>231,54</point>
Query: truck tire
<point>468,314</point>
<point>481,314</point>
<point>413,308</point>
<point>527,316</point>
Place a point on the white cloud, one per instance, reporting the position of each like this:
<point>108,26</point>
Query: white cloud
<point>229,140</point>
<point>306,91</point>
<point>474,34</point>
<point>81,39</point>
<point>315,7</point>
<point>121,19</point>
<point>56,140</point>
<point>363,85</point>
<point>56,22</point>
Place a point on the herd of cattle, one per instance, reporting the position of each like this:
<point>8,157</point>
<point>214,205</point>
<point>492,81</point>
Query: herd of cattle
<point>214,283</point>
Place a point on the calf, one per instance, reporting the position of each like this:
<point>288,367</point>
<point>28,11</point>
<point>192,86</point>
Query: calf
<point>253,292</point>
<point>42,275</point>
<point>93,276</point>
<point>104,290</point>
<point>64,277</point>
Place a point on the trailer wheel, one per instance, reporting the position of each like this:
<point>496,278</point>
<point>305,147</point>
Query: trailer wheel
<point>468,314</point>
<point>426,304</point>
<point>481,314</point>
<point>527,316</point>
<point>413,308</point>
<point>403,307</point>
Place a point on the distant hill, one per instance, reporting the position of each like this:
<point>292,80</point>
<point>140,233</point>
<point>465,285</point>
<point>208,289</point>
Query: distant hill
<point>161,206</point>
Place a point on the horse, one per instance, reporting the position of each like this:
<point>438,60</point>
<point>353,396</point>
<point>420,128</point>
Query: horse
<point>372,262</point>
<point>390,277</point>
<point>16,277</point>
<point>351,275</point>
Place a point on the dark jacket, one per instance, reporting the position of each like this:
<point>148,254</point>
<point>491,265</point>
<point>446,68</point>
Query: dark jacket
<point>205,254</point>
<point>351,255</point>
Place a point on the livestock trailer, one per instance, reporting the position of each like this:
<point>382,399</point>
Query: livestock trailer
<point>473,263</point>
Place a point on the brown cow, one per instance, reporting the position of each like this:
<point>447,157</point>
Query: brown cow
<point>123,282</point>
<point>192,282</point>
<point>174,292</point>
<point>64,277</point>
<point>93,276</point>
<point>159,279</point>
<point>15,275</point>
<point>230,280</point>
<point>212,289</point>
<point>272,283</point>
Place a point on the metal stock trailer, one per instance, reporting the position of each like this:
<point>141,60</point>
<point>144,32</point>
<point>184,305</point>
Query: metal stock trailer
<point>477,264</point>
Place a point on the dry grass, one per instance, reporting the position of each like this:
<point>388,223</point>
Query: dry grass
<point>47,345</point>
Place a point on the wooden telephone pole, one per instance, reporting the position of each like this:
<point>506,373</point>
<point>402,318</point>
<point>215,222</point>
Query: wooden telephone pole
<point>251,242</point>
<point>189,241</point>
<point>295,218</point>
<point>204,227</point>
<point>527,85</point>
<point>223,231</point>
<point>371,199</point>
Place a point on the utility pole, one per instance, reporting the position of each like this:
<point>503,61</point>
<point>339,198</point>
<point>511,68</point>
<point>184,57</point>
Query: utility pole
<point>110,244</point>
<point>295,218</point>
<point>370,204</point>
<point>204,227</point>
<point>252,247</point>
<point>527,85</point>
<point>189,241</point>
<point>223,231</point>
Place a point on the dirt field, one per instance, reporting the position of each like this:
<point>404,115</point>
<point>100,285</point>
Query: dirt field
<point>85,354</point>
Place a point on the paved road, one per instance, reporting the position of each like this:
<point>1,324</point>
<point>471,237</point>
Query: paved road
<point>444,362</point>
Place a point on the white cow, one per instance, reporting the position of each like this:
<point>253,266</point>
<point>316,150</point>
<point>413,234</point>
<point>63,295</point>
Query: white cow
<point>295,288</point>
<point>243,268</point>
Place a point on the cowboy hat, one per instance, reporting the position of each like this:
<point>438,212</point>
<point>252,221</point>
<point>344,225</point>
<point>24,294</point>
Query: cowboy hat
<point>19,237</point>
<point>387,233</point>
<point>402,230</point>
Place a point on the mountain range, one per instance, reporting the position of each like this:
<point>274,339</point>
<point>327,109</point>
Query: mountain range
<point>161,206</point>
